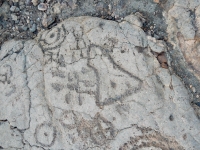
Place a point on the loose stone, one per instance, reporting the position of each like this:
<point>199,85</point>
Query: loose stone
<point>42,6</point>
<point>35,2</point>
<point>14,9</point>
<point>33,28</point>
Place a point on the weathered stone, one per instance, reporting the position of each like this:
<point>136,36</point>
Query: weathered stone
<point>133,19</point>
<point>14,9</point>
<point>14,17</point>
<point>4,9</point>
<point>157,46</point>
<point>156,1</point>
<point>183,37</point>
<point>9,137</point>
<point>184,21</point>
<point>35,2</point>
<point>42,6</point>
<point>33,28</point>
<point>90,83</point>
<point>57,8</point>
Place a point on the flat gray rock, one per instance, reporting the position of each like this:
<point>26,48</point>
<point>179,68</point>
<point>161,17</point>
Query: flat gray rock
<point>94,84</point>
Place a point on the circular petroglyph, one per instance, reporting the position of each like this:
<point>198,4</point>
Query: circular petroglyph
<point>45,134</point>
<point>52,39</point>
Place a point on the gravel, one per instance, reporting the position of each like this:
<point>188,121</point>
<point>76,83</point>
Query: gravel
<point>31,16</point>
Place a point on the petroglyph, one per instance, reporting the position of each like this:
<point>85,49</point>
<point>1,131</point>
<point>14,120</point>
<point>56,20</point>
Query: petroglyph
<point>96,129</point>
<point>53,38</point>
<point>90,83</point>
<point>150,140</point>
<point>45,134</point>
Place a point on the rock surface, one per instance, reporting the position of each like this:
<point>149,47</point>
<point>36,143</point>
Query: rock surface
<point>94,84</point>
<point>183,28</point>
<point>179,26</point>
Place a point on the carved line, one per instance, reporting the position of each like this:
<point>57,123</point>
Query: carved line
<point>110,100</point>
<point>58,45</point>
<point>37,131</point>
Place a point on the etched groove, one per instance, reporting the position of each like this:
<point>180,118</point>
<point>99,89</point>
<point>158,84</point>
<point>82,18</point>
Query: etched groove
<point>45,134</point>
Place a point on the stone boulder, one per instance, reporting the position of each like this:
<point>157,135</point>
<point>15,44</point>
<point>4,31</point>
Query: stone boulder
<point>93,84</point>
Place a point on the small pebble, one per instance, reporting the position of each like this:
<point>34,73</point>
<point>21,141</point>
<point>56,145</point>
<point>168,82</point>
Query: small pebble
<point>14,17</point>
<point>16,4</point>
<point>156,1</point>
<point>28,2</point>
<point>193,89</point>
<point>42,6</point>
<point>35,2</point>
<point>21,2</point>
<point>50,20</point>
<point>38,19</point>
<point>33,28</point>
<point>15,1</point>
<point>110,7</point>
<point>56,8</point>
<point>162,58</point>
<point>198,104</point>
<point>12,8</point>
<point>24,28</point>
<point>44,20</point>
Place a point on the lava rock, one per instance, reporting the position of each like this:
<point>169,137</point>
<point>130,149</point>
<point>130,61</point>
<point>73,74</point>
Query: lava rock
<point>42,6</point>
<point>14,9</point>
<point>35,2</point>
<point>33,28</point>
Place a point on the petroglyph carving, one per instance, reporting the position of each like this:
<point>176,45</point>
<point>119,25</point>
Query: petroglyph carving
<point>97,129</point>
<point>125,82</point>
<point>84,83</point>
<point>45,134</point>
<point>53,38</point>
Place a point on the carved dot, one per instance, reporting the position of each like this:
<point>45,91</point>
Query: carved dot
<point>101,24</point>
<point>52,35</point>
<point>122,51</point>
<point>113,84</point>
<point>171,118</point>
<point>45,134</point>
<point>53,38</point>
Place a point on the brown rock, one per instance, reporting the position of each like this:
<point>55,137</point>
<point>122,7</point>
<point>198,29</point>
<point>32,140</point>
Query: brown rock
<point>156,1</point>
<point>162,58</point>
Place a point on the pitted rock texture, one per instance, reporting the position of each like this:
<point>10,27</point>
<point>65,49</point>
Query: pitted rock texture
<point>94,84</point>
